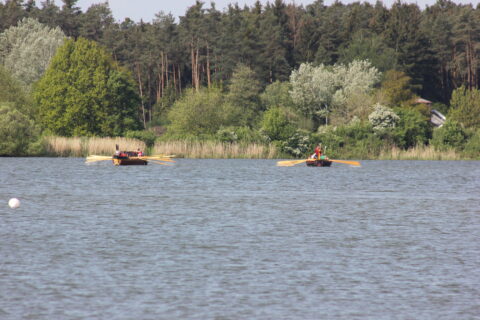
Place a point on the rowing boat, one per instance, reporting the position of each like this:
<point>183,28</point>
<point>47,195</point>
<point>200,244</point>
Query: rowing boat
<point>322,162</point>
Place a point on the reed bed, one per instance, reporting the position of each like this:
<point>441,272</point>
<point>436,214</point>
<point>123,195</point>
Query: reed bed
<point>418,153</point>
<point>81,147</point>
<point>215,150</point>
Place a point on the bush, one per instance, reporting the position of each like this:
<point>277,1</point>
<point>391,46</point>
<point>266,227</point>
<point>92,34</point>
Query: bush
<point>450,135</point>
<point>17,132</point>
<point>276,126</point>
<point>383,118</point>
<point>146,136</point>
<point>297,145</point>
<point>472,146</point>
<point>357,140</point>
<point>412,129</point>
<point>226,134</point>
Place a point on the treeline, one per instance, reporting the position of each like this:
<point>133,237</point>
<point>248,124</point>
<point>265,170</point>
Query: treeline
<point>436,47</point>
<point>245,73</point>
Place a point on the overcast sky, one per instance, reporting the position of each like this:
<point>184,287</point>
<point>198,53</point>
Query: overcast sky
<point>146,9</point>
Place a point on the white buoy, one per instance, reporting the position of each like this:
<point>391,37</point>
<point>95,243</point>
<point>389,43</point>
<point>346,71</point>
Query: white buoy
<point>14,203</point>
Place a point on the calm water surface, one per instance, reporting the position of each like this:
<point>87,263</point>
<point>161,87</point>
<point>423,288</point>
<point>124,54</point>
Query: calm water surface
<point>239,239</point>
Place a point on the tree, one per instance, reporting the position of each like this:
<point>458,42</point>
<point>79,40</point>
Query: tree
<point>397,88</point>
<point>26,50</point>
<point>17,131</point>
<point>317,91</point>
<point>10,13</point>
<point>312,91</point>
<point>412,129</point>
<point>365,46</point>
<point>243,95</point>
<point>450,135</point>
<point>198,112</point>
<point>85,93</point>
<point>465,107</point>
<point>96,21</point>
<point>275,124</point>
<point>277,95</point>
<point>383,118</point>
<point>11,92</point>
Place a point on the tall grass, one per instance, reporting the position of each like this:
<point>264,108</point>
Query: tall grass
<point>213,149</point>
<point>418,153</point>
<point>81,147</point>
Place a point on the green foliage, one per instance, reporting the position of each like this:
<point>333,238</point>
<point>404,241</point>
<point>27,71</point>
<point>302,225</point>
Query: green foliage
<point>26,49</point>
<point>318,90</point>
<point>441,107</point>
<point>276,125</point>
<point>143,135</point>
<point>202,112</point>
<point>412,129</point>
<point>396,88</point>
<point>18,132</point>
<point>357,140</point>
<point>84,93</point>
<point>11,91</point>
<point>450,135</point>
<point>243,95</point>
<point>227,134</point>
<point>249,135</point>
<point>472,146</point>
<point>297,145</point>
<point>277,95</point>
<point>366,46</point>
<point>383,118</point>
<point>465,107</point>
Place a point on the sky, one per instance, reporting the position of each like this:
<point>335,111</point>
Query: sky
<point>146,9</point>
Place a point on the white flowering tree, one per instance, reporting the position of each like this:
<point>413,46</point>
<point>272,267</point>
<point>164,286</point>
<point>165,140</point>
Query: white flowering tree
<point>317,91</point>
<point>26,49</point>
<point>383,118</point>
<point>312,90</point>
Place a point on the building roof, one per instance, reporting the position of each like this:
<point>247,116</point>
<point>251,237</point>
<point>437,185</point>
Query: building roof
<point>421,100</point>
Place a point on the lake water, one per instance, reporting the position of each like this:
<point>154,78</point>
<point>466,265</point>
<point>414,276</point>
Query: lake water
<point>239,239</point>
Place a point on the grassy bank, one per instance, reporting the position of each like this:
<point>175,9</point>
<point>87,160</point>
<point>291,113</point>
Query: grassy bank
<point>213,149</point>
<point>81,147</point>
<point>419,153</point>
<point>84,146</point>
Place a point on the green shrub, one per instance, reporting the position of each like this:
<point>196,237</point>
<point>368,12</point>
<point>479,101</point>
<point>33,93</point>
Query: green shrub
<point>297,145</point>
<point>383,118</point>
<point>472,146</point>
<point>450,135</point>
<point>276,125</point>
<point>146,136</point>
<point>412,129</point>
<point>17,132</point>
<point>226,134</point>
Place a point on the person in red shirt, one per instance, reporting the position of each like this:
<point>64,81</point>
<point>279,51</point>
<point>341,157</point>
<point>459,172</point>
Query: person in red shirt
<point>318,151</point>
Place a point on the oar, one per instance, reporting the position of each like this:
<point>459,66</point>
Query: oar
<point>353,163</point>
<point>157,158</point>
<point>95,158</point>
<point>162,156</point>
<point>163,164</point>
<point>289,163</point>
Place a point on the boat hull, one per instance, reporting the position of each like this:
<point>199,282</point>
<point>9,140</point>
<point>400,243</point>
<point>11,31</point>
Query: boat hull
<point>129,161</point>
<point>318,163</point>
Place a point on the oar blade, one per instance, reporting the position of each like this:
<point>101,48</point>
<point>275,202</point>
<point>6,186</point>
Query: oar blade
<point>289,163</point>
<point>95,158</point>
<point>353,163</point>
<point>157,158</point>
<point>161,163</point>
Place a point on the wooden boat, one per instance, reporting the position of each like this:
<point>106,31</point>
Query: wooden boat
<point>128,158</point>
<point>322,162</point>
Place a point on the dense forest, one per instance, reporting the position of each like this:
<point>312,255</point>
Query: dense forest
<point>278,72</point>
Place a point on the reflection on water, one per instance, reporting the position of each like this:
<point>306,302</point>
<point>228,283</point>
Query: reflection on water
<point>239,239</point>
